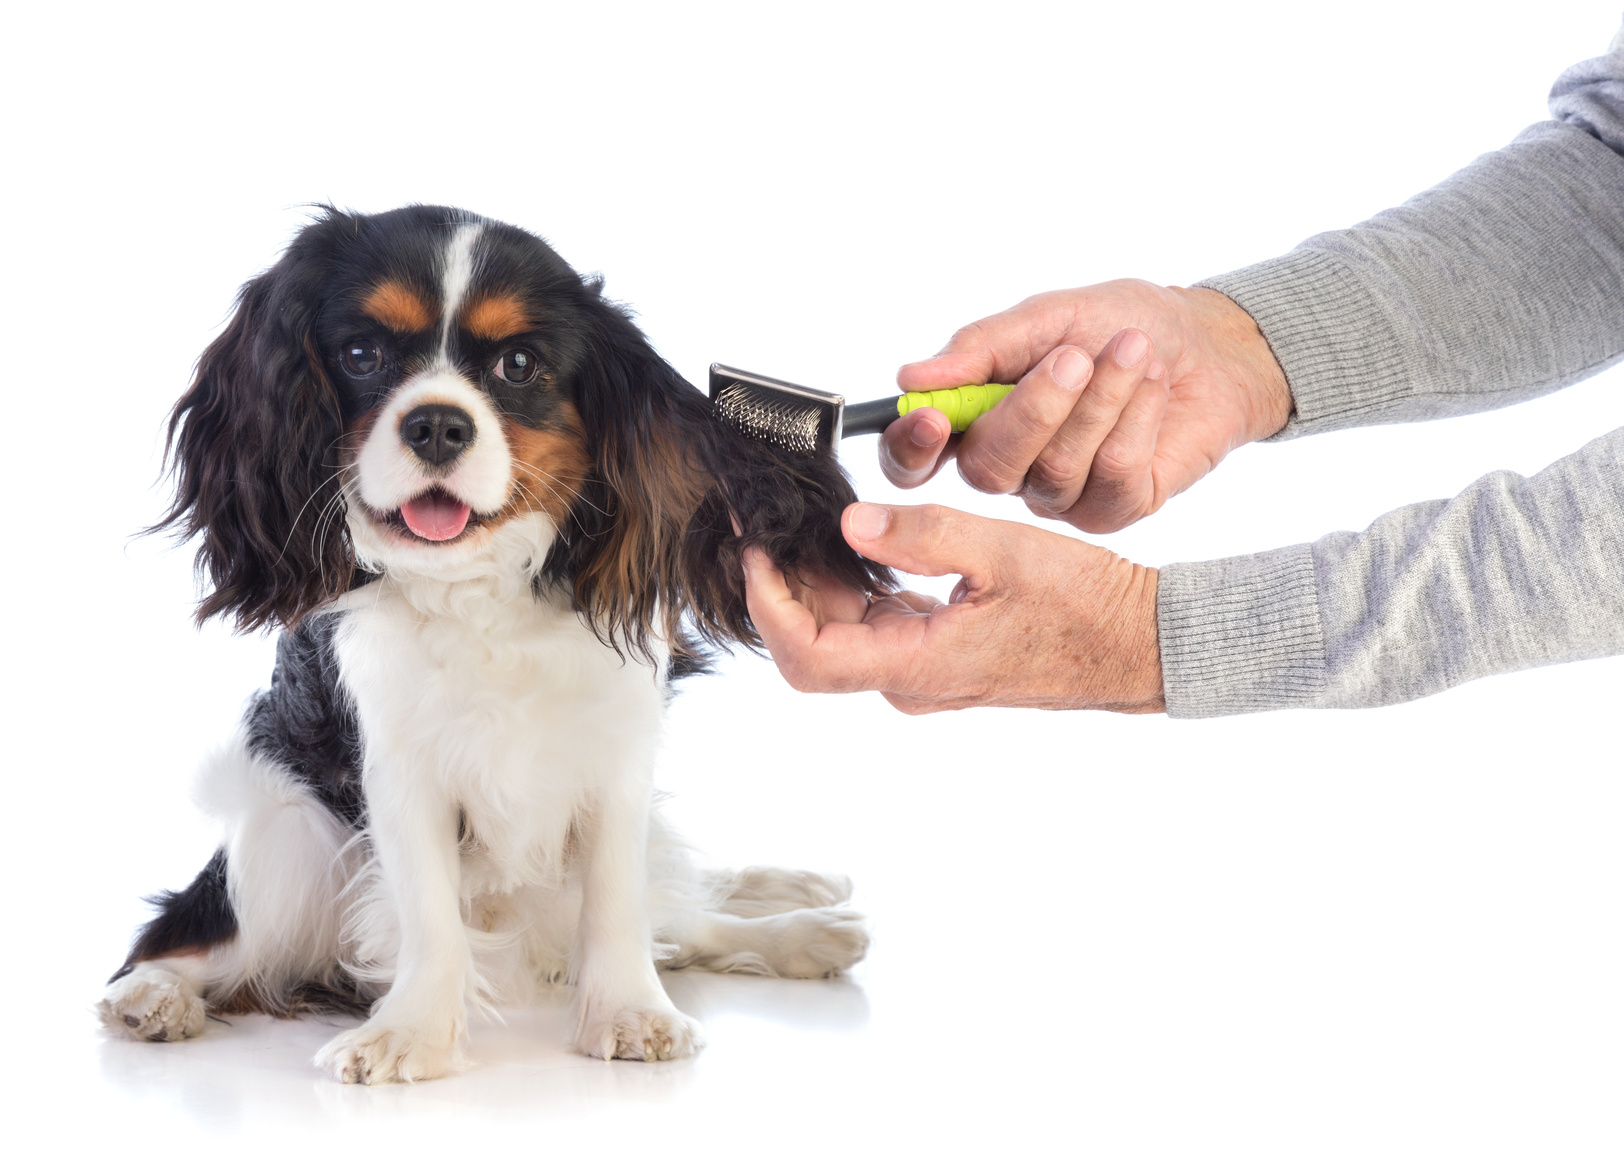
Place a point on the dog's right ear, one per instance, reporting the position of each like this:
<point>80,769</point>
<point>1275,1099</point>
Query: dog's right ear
<point>255,450</point>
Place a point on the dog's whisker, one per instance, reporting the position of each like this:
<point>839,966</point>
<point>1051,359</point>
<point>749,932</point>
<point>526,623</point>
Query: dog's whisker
<point>310,499</point>
<point>560,528</point>
<point>327,515</point>
<point>576,493</point>
<point>563,502</point>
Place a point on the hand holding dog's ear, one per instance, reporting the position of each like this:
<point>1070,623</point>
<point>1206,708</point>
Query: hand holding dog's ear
<point>1038,620</point>
<point>1126,394</point>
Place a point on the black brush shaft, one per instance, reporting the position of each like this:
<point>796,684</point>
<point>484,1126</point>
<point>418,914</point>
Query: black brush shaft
<point>869,418</point>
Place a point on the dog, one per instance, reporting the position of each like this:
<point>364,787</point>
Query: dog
<point>493,527</point>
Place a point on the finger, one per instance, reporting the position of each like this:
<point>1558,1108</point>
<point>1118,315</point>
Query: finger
<point>999,447</point>
<point>827,599</point>
<point>839,658</point>
<point>999,348</point>
<point>1121,487</point>
<point>913,448</point>
<point>1056,476</point>
<point>785,625</point>
<point>906,601</point>
<point>929,540</point>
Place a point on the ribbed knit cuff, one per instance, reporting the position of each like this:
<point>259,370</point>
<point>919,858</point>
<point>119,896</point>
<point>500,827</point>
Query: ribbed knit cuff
<point>1241,634</point>
<point>1340,354</point>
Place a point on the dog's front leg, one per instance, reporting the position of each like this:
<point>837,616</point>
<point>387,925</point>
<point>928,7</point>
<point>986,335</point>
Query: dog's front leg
<point>416,1029</point>
<point>622,1010</point>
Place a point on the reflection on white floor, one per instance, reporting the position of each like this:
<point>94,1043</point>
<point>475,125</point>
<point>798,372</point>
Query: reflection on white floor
<point>253,1072</point>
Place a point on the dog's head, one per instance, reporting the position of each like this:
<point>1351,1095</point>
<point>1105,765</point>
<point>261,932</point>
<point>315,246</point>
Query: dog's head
<point>429,393</point>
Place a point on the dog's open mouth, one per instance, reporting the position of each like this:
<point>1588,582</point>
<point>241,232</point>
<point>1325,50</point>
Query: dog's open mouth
<point>435,515</point>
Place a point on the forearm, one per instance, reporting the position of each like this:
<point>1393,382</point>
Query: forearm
<point>1502,283</point>
<point>1512,573</point>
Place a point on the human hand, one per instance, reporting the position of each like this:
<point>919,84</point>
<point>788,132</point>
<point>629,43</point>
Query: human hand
<point>1127,394</point>
<point>1038,620</point>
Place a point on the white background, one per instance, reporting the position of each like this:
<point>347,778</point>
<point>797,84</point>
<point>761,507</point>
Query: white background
<point>1302,939</point>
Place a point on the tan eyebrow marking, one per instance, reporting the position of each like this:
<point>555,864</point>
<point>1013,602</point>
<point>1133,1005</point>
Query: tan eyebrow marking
<point>398,307</point>
<point>495,316</point>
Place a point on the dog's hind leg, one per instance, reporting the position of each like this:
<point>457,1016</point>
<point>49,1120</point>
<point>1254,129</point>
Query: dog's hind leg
<point>759,890</point>
<point>158,993</point>
<point>812,942</point>
<point>755,921</point>
<point>256,928</point>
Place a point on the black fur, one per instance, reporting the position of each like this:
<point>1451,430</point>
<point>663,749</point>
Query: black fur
<point>254,449</point>
<point>196,917</point>
<point>305,720</point>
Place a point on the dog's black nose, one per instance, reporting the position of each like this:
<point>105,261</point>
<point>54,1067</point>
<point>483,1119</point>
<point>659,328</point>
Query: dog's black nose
<point>438,433</point>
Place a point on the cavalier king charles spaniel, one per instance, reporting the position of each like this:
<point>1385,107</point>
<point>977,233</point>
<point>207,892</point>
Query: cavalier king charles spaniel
<point>492,525</point>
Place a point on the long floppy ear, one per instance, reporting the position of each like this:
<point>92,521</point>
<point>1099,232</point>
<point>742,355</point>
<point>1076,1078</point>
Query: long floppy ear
<point>786,504</point>
<point>254,449</point>
<point>675,498</point>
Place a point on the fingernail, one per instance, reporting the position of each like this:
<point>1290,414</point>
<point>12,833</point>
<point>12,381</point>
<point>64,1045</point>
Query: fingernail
<point>1133,347</point>
<point>1071,369</point>
<point>869,521</point>
<point>1156,372</point>
<point>925,432</point>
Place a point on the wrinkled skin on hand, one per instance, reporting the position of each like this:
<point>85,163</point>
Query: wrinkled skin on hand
<point>1037,620</point>
<point>1126,393</point>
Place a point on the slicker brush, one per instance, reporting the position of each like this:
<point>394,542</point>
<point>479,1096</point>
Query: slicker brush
<point>802,420</point>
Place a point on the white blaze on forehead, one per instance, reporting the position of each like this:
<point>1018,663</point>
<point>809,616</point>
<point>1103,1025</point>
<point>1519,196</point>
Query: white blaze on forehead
<point>455,275</point>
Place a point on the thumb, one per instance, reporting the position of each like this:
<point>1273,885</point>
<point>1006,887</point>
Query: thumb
<point>928,540</point>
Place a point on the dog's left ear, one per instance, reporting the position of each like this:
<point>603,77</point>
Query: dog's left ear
<point>253,445</point>
<point>675,498</point>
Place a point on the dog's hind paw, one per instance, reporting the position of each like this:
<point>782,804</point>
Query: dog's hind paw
<point>151,1003</point>
<point>817,943</point>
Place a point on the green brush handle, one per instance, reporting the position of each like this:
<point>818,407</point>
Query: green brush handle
<point>962,405</point>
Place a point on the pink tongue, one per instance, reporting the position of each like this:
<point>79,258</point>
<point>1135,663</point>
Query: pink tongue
<point>435,516</point>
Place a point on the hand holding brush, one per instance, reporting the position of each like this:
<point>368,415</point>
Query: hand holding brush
<point>1100,430</point>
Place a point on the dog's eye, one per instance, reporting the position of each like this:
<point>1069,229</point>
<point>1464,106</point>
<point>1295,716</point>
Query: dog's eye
<point>517,366</point>
<point>362,357</point>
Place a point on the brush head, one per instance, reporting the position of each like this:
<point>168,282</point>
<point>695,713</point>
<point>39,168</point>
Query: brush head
<point>793,418</point>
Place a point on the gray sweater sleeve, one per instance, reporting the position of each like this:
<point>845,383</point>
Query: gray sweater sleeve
<point>1503,283</point>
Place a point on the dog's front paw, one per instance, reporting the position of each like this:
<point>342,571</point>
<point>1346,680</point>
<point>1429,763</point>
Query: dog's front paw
<point>151,1003</point>
<point>639,1033</point>
<point>378,1054</point>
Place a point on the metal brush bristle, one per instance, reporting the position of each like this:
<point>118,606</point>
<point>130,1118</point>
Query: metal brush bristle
<point>769,417</point>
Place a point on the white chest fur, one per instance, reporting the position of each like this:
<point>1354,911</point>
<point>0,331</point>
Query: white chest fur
<point>503,706</point>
